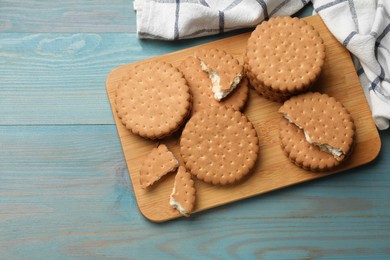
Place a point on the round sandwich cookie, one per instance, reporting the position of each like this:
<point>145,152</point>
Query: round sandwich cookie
<point>284,57</point>
<point>201,88</point>
<point>183,194</point>
<point>225,72</point>
<point>153,100</point>
<point>219,145</point>
<point>316,131</point>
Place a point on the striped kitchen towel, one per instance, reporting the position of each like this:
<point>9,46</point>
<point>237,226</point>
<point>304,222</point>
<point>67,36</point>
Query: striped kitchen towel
<point>182,19</point>
<point>362,26</point>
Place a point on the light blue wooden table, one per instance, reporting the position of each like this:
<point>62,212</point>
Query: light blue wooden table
<point>64,187</point>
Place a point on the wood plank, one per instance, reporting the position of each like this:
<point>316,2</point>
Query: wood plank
<point>80,203</point>
<point>84,145</point>
<point>59,78</point>
<point>67,16</point>
<point>273,170</point>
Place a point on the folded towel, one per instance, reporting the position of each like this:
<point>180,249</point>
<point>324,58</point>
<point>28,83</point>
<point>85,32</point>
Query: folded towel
<point>361,26</point>
<point>181,19</point>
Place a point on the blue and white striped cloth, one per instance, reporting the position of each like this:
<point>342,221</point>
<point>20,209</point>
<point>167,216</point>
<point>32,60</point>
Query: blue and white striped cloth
<point>362,26</point>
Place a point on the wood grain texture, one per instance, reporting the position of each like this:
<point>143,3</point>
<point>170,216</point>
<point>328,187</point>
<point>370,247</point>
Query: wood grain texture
<point>67,16</point>
<point>65,193</point>
<point>60,78</point>
<point>272,170</point>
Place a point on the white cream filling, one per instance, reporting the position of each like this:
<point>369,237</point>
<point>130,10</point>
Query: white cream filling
<point>236,81</point>
<point>336,152</point>
<point>175,204</point>
<point>219,94</point>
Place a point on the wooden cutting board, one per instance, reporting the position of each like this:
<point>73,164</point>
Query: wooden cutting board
<point>273,170</point>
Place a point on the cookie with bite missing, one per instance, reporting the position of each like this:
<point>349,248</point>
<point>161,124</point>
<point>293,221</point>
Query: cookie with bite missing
<point>183,194</point>
<point>316,131</point>
<point>201,88</point>
<point>153,100</point>
<point>159,162</point>
<point>224,71</point>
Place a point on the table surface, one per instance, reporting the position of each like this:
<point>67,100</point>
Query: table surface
<point>64,187</point>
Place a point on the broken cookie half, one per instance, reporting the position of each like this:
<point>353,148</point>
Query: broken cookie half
<point>183,193</point>
<point>158,163</point>
<point>225,72</point>
<point>316,132</point>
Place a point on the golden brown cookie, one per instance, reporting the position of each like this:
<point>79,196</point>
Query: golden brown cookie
<point>316,131</point>
<point>284,56</point>
<point>201,90</point>
<point>158,163</point>
<point>183,194</point>
<point>219,145</point>
<point>224,71</point>
<point>153,100</point>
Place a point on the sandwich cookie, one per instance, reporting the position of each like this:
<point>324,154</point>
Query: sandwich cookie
<point>153,100</point>
<point>201,88</point>
<point>316,131</point>
<point>225,72</point>
<point>183,194</point>
<point>219,145</point>
<point>158,163</point>
<point>284,57</point>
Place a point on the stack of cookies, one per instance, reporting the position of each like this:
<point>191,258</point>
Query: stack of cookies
<point>284,57</point>
<point>316,131</point>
